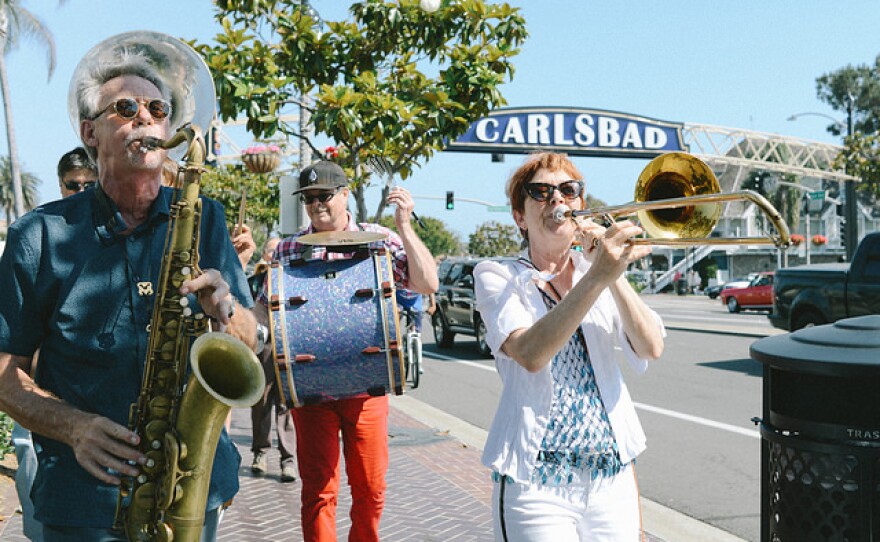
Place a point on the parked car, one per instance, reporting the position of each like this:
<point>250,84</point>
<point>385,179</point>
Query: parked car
<point>456,311</point>
<point>713,291</point>
<point>740,282</point>
<point>812,295</point>
<point>757,295</point>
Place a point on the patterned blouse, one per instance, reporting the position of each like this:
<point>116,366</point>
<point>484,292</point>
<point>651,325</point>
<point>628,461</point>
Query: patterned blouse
<point>578,441</point>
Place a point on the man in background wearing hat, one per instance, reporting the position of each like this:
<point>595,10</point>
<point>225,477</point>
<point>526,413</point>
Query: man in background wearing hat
<point>363,421</point>
<point>77,280</point>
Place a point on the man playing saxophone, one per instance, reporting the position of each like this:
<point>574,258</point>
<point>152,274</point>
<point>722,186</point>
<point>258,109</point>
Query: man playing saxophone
<point>77,279</point>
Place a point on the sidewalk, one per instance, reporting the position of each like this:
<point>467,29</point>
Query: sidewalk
<point>437,490</point>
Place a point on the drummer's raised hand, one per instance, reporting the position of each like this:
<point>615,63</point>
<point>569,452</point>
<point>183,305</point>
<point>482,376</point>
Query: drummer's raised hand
<point>405,204</point>
<point>244,244</point>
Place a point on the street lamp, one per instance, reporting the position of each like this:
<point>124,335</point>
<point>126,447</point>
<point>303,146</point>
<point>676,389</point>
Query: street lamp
<point>851,228</point>
<point>839,124</point>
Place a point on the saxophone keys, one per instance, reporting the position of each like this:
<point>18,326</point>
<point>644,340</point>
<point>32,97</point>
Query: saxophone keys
<point>155,462</point>
<point>156,430</point>
<point>164,533</point>
<point>185,305</point>
<point>160,408</point>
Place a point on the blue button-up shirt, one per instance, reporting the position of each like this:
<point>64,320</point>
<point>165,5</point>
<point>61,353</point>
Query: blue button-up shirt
<point>68,286</point>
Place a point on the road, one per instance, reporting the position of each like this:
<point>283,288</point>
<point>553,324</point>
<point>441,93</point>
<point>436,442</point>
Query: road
<point>695,404</point>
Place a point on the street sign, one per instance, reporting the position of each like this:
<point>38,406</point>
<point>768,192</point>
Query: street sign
<point>816,201</point>
<point>498,208</point>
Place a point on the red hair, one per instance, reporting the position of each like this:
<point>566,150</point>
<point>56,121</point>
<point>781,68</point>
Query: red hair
<point>550,161</point>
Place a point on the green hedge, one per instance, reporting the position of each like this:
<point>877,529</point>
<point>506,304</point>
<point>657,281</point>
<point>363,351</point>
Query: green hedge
<point>5,435</point>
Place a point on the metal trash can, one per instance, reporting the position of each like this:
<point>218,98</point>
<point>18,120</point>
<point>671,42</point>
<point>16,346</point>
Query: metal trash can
<point>820,448</point>
<point>681,286</point>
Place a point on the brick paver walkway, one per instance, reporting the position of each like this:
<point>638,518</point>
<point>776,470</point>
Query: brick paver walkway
<point>437,492</point>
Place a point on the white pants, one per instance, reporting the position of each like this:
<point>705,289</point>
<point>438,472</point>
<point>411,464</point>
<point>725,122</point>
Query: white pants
<point>605,510</point>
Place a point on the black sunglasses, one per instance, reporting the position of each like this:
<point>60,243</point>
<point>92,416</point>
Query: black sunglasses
<point>323,197</point>
<point>128,108</point>
<point>544,191</point>
<point>78,187</point>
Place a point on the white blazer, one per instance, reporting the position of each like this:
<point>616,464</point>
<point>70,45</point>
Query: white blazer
<point>508,299</point>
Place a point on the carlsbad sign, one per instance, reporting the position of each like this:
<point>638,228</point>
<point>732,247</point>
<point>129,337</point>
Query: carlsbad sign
<point>575,131</point>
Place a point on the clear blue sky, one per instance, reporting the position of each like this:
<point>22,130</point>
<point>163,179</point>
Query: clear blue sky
<point>747,64</point>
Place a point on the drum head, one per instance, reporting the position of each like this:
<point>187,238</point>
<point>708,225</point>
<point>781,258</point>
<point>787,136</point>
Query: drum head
<point>341,238</point>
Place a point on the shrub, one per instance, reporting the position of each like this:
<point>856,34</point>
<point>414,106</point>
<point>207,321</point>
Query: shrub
<point>5,435</point>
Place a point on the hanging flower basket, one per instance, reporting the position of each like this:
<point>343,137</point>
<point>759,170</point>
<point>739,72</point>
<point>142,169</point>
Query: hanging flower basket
<point>796,239</point>
<point>819,239</point>
<point>261,158</point>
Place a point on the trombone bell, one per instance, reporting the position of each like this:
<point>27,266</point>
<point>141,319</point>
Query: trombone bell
<point>678,202</point>
<point>677,175</point>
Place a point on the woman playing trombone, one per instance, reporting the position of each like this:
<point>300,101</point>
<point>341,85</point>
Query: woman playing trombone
<point>565,435</point>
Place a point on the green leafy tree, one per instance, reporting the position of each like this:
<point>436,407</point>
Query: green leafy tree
<point>861,158</point>
<point>227,183</point>
<point>494,239</point>
<point>439,240</point>
<point>857,87</point>
<point>29,185</point>
<point>16,24</point>
<point>593,203</point>
<point>391,82</point>
<point>788,201</point>
<point>856,90</point>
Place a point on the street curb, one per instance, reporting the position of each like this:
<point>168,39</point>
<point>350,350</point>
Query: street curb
<point>723,331</point>
<point>663,522</point>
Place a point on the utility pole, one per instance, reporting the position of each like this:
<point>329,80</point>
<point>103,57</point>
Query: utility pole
<point>851,227</point>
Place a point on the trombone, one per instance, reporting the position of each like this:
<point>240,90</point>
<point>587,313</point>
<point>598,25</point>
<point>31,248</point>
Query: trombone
<point>678,203</point>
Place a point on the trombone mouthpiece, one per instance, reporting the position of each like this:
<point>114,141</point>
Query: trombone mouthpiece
<point>561,213</point>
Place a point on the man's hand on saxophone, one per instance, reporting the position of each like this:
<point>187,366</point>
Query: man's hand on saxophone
<point>218,303</point>
<point>104,448</point>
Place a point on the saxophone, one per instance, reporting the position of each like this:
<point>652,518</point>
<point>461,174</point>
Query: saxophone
<point>179,424</point>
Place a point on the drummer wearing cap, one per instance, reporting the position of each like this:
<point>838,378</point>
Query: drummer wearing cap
<point>363,422</point>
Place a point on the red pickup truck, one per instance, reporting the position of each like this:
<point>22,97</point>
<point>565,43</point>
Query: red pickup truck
<point>758,295</point>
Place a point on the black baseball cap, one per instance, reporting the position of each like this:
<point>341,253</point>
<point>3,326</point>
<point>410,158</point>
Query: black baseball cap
<point>321,175</point>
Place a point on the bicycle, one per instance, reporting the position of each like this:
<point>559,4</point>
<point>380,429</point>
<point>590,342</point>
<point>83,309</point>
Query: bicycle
<point>412,346</point>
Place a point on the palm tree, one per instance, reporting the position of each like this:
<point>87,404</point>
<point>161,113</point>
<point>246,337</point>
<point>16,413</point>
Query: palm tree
<point>16,23</point>
<point>29,184</point>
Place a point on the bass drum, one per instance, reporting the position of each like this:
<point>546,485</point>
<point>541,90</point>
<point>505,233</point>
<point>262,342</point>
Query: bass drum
<point>334,328</point>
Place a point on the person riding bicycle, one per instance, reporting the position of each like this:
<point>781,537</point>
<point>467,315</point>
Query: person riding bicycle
<point>411,302</point>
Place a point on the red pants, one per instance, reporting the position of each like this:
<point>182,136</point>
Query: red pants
<point>364,426</point>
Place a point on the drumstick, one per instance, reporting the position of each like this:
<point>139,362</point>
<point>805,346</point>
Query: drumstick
<point>241,210</point>
<point>381,167</point>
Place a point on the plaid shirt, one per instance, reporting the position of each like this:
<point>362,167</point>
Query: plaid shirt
<point>290,249</point>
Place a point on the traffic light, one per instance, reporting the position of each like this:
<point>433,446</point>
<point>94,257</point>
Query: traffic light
<point>843,239</point>
<point>450,200</point>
